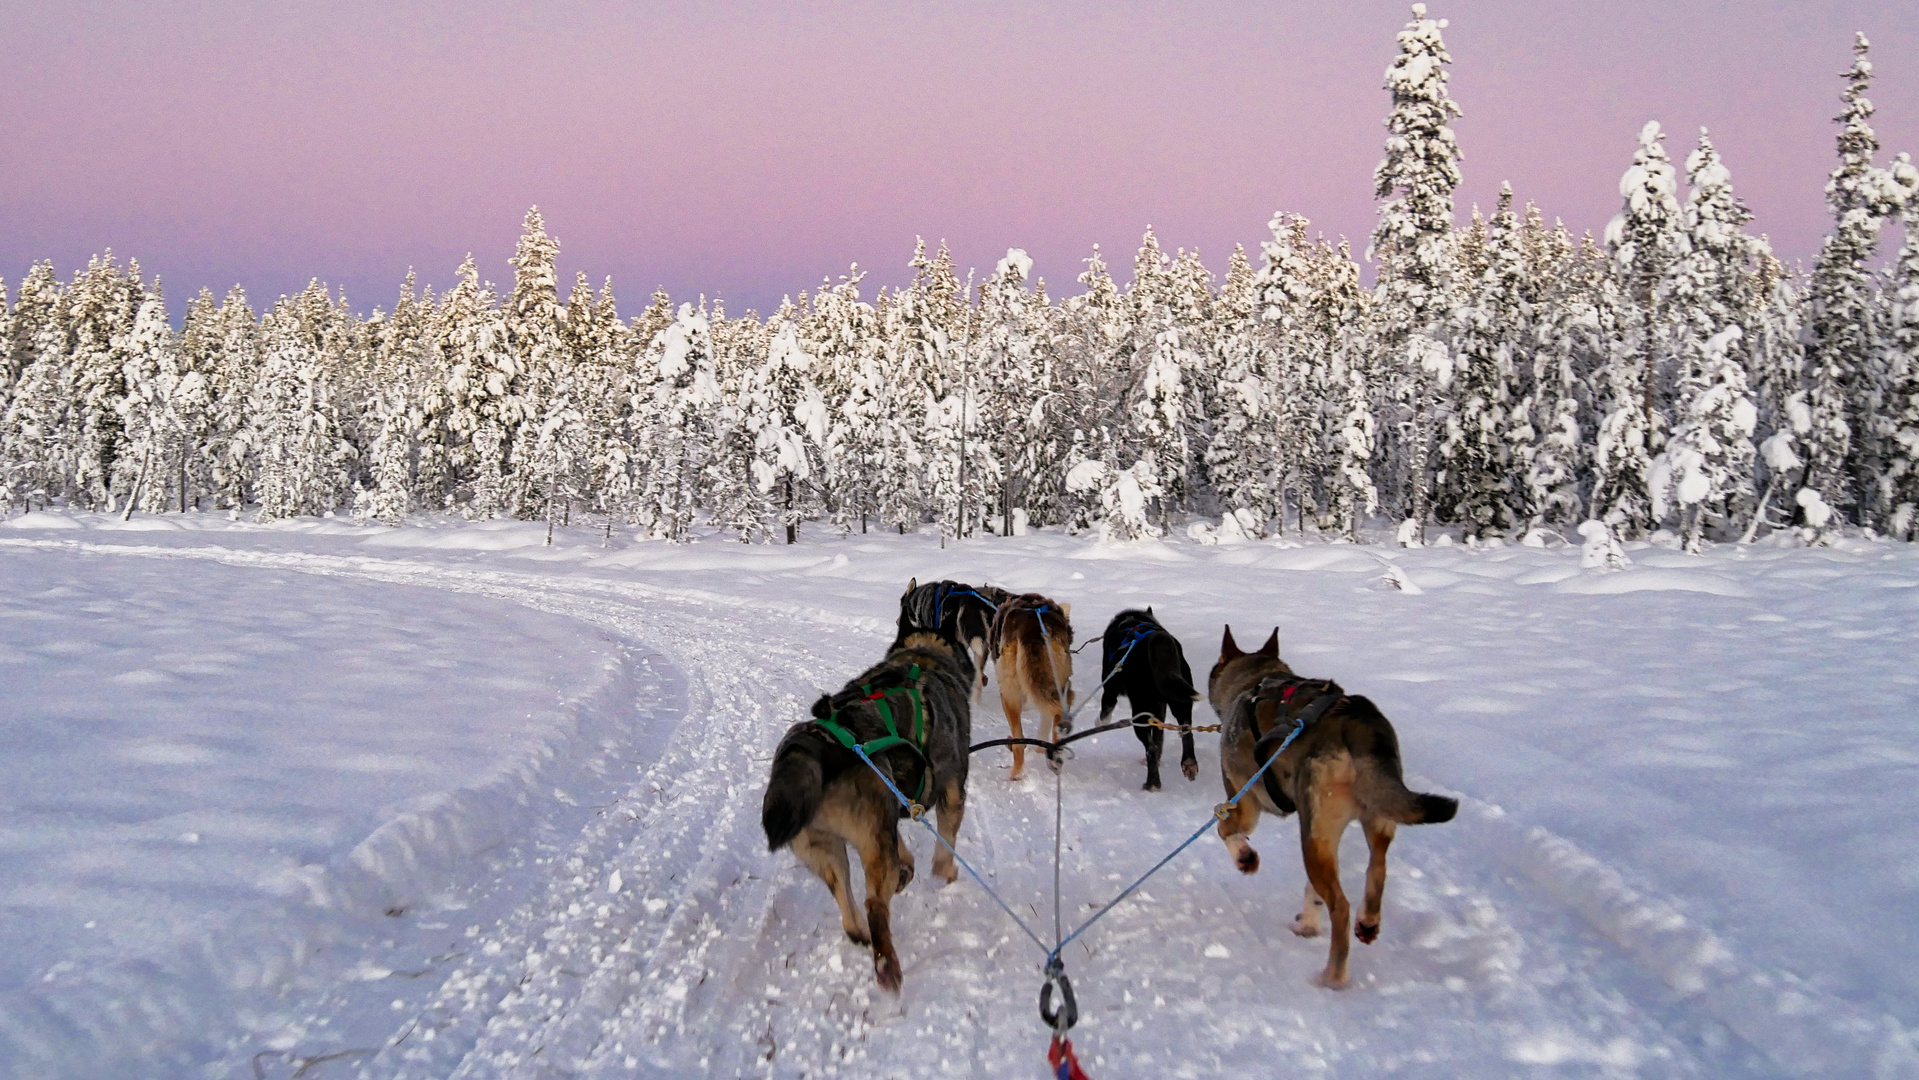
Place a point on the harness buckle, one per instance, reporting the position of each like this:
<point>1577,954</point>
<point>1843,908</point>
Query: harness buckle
<point>916,812</point>
<point>1222,811</point>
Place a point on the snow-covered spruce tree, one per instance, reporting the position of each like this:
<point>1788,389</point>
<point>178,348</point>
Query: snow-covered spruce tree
<point>1490,338</point>
<point>1239,458</point>
<point>231,450</point>
<point>1096,342</point>
<point>900,475</point>
<point>541,367</point>
<point>35,443</point>
<point>197,352</point>
<point>405,404</point>
<point>1123,498</point>
<point>961,467</point>
<point>845,336</point>
<point>599,345</point>
<point>1413,247</point>
<point>1843,380</point>
<point>1777,352</point>
<point>482,378</point>
<point>1016,362</point>
<point>101,304</point>
<point>677,418</point>
<point>1711,301</point>
<point>1902,367</point>
<point>1547,434</point>
<point>785,426</point>
<point>1646,237</point>
<point>294,425</point>
<point>152,432</point>
<point>1156,417</point>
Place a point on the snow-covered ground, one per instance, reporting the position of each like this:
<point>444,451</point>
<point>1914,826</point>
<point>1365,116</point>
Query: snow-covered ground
<point>443,801</point>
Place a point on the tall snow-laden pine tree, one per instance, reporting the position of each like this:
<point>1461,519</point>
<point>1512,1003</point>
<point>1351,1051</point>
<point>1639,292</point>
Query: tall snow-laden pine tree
<point>1902,367</point>
<point>295,426</point>
<point>1711,299</point>
<point>1413,247</point>
<point>1490,338</point>
<point>549,418</point>
<point>483,402</point>
<point>1646,237</point>
<point>1239,457</point>
<point>677,414</point>
<point>1843,381</point>
<point>35,433</point>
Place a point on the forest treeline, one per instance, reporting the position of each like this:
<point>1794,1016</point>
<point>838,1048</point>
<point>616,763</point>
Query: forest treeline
<point>1502,377</point>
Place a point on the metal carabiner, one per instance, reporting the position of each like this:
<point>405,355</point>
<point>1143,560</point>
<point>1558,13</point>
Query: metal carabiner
<point>1063,1020</point>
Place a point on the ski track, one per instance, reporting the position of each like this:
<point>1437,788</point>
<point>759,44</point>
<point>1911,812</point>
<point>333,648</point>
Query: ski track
<point>1503,944</point>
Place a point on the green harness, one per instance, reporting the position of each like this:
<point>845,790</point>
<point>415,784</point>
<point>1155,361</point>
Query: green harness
<point>892,738</point>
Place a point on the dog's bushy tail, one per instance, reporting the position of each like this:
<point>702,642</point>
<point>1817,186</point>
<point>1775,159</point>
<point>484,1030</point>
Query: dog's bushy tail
<point>794,791</point>
<point>1431,809</point>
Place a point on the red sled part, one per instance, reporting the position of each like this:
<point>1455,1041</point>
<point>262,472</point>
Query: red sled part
<point>1065,1064</point>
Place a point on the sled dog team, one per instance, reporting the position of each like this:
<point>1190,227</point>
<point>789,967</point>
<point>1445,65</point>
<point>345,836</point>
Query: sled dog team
<point>911,713</point>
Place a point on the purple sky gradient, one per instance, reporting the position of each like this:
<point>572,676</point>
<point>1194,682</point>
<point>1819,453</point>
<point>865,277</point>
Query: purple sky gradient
<point>753,149</point>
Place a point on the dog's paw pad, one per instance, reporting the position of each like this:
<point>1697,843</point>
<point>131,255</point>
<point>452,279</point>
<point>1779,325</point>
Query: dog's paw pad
<point>1189,769</point>
<point>1247,861</point>
<point>859,937</point>
<point>886,970</point>
<point>1367,933</point>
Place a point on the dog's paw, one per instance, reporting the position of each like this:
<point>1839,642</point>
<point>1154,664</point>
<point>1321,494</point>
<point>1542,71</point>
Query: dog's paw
<point>1189,769</point>
<point>947,873</point>
<point>860,938</point>
<point>886,969</point>
<point>1150,785</point>
<point>1331,980</point>
<point>906,876</point>
<point>1247,861</point>
<point>1366,932</point>
<point>1302,928</point>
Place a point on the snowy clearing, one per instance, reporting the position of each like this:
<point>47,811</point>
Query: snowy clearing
<point>442,801</point>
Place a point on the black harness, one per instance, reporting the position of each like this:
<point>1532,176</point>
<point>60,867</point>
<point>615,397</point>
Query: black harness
<point>1302,701</point>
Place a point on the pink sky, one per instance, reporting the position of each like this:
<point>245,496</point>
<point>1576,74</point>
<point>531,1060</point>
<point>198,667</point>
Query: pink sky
<point>751,151</point>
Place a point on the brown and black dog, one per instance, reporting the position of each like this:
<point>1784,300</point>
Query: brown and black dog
<point>821,797</point>
<point>1032,641</point>
<point>1343,767</point>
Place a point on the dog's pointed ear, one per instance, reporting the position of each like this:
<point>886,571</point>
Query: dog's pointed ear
<point>912,583</point>
<point>1149,609</point>
<point>1271,648</point>
<point>1229,648</point>
<point>1066,610</point>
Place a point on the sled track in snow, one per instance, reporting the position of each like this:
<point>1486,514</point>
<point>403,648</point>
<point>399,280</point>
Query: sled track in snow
<point>664,941</point>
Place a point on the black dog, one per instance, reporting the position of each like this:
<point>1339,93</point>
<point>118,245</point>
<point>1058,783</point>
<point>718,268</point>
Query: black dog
<point>958,610</point>
<point>1154,677</point>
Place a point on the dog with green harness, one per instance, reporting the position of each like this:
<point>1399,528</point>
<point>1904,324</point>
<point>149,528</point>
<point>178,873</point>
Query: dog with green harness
<point>912,717</point>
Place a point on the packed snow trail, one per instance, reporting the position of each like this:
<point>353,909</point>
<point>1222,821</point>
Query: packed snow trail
<point>663,940</point>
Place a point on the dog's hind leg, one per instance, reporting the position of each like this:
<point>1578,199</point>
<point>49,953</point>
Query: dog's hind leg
<point>1319,829</point>
<point>1234,828</point>
<point>952,810</point>
<point>879,856</point>
<point>1188,760</point>
<point>1379,837</point>
<point>1155,740</point>
<point>1013,706</point>
<point>825,855</point>
<point>906,866</point>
